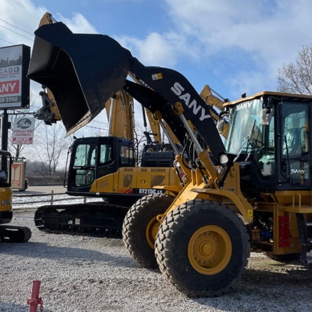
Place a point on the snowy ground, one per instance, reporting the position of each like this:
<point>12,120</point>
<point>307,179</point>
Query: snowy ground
<point>82,274</point>
<point>29,201</point>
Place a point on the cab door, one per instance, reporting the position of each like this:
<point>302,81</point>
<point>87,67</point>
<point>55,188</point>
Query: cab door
<point>294,145</point>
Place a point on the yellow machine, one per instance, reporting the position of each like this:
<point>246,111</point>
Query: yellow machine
<point>108,168</point>
<point>104,167</point>
<point>248,192</point>
<point>9,233</point>
<point>112,167</point>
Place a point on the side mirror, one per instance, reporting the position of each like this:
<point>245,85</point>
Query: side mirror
<point>266,116</point>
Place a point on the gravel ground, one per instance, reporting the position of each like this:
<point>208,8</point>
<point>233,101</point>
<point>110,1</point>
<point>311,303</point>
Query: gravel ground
<point>85,274</point>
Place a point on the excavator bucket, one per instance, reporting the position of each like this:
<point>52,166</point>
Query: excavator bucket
<point>81,80</point>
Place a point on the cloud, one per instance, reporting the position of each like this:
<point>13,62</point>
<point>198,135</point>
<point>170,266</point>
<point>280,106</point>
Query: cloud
<point>265,33</point>
<point>251,26</point>
<point>77,24</point>
<point>25,16</point>
<point>242,40</point>
<point>152,50</point>
<point>21,14</point>
<point>19,19</point>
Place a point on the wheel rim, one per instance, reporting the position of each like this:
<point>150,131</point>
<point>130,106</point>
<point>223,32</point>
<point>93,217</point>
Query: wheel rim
<point>151,231</point>
<point>209,250</point>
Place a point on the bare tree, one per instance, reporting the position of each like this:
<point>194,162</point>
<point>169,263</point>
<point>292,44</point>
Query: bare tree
<point>50,146</point>
<point>297,77</point>
<point>37,168</point>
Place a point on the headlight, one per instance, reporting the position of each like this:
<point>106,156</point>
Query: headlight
<point>220,170</point>
<point>223,159</point>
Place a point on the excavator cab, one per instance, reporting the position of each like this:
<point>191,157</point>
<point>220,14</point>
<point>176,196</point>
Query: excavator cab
<point>94,158</point>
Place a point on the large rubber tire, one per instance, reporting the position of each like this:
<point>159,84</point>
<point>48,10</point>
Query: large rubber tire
<point>202,247</point>
<point>140,228</point>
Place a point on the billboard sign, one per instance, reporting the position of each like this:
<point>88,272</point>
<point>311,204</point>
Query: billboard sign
<point>14,86</point>
<point>23,130</point>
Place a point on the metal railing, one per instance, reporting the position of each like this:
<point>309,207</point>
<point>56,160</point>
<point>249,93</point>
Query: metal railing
<point>35,200</point>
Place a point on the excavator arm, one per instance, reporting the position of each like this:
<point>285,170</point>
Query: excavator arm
<point>82,78</point>
<point>119,112</point>
<point>215,102</point>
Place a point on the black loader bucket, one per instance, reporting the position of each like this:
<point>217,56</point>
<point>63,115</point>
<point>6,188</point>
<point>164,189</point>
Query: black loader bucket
<point>82,70</point>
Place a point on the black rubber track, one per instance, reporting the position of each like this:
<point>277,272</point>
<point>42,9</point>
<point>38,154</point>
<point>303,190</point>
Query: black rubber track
<point>135,224</point>
<point>95,219</point>
<point>14,234</point>
<point>171,247</point>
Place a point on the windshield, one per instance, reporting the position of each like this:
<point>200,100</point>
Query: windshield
<point>244,123</point>
<point>88,158</point>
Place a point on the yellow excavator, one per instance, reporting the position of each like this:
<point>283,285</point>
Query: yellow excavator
<point>9,233</point>
<point>248,192</point>
<point>107,168</point>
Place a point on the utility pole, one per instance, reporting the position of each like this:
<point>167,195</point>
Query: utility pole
<point>4,137</point>
<point>4,130</point>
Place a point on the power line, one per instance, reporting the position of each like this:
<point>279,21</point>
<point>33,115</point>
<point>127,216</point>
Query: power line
<point>101,122</point>
<point>17,33</point>
<point>14,31</point>
<point>6,41</point>
<point>16,27</point>
<point>87,126</point>
<point>95,128</point>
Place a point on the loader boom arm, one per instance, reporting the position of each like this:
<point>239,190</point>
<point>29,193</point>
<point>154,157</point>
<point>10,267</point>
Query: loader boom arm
<point>82,78</point>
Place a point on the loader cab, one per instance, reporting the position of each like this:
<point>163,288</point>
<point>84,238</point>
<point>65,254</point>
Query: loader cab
<point>95,157</point>
<point>268,134</point>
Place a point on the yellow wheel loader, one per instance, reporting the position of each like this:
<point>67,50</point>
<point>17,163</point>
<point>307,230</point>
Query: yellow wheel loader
<point>250,193</point>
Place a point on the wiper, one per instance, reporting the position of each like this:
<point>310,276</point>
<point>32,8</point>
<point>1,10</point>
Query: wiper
<point>247,140</point>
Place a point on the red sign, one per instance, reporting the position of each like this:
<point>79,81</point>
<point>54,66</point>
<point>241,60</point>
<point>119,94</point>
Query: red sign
<point>9,87</point>
<point>22,138</point>
<point>16,175</point>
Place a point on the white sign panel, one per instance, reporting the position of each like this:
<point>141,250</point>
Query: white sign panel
<point>14,86</point>
<point>23,130</point>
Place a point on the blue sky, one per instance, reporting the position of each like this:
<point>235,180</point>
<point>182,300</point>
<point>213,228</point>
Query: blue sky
<point>233,46</point>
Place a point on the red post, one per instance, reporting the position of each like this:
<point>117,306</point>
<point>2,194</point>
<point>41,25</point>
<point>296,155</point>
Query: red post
<point>34,301</point>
